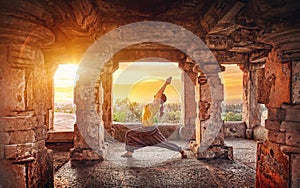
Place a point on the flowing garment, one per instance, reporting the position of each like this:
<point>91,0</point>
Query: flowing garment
<point>148,135</point>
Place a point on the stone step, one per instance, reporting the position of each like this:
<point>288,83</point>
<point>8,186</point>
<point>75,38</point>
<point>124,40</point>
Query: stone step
<point>60,136</point>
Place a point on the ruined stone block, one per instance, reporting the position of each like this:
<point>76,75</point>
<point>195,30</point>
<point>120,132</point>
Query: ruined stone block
<point>216,152</point>
<point>14,84</point>
<point>4,137</point>
<point>272,125</point>
<point>293,115</point>
<point>272,166</point>
<point>19,137</point>
<point>85,155</point>
<point>40,133</point>
<point>291,127</point>
<point>18,151</point>
<point>276,136</point>
<point>290,149</point>
<point>41,120</point>
<point>79,141</point>
<point>234,129</point>
<point>295,170</point>
<point>276,84</point>
<point>18,123</point>
<point>40,171</point>
<point>10,151</point>
<point>39,145</point>
<point>276,114</point>
<point>293,139</point>
<point>12,175</point>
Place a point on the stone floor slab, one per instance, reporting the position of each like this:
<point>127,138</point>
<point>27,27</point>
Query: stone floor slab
<point>158,167</point>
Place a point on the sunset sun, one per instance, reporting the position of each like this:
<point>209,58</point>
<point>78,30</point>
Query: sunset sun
<point>143,91</point>
<point>64,80</point>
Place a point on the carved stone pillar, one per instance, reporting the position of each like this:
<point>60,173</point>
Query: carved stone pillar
<point>107,106</point>
<point>106,78</point>
<point>24,99</point>
<point>207,135</point>
<point>251,107</point>
<point>89,129</point>
<point>188,105</point>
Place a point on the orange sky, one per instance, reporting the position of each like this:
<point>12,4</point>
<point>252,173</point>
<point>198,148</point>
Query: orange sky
<point>233,84</point>
<point>140,81</point>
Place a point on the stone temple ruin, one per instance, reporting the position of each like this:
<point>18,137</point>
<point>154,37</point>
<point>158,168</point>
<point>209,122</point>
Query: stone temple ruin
<point>261,37</point>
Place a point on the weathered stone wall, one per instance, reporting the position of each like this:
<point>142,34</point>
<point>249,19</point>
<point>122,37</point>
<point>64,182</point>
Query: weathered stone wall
<point>25,97</point>
<point>278,157</point>
<point>24,111</point>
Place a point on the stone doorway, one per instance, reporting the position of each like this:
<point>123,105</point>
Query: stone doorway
<point>102,58</point>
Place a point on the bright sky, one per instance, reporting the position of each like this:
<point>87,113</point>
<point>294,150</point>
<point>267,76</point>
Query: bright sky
<point>64,80</point>
<point>65,75</point>
<point>233,84</point>
<point>140,81</point>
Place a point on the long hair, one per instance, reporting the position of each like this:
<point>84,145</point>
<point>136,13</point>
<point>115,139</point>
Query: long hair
<point>163,98</point>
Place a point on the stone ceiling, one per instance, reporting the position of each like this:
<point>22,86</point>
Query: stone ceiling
<point>236,31</point>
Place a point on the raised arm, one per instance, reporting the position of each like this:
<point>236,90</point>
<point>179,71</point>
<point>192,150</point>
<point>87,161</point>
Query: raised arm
<point>162,89</point>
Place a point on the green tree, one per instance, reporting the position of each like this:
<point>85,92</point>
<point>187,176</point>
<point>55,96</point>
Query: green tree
<point>230,116</point>
<point>126,111</point>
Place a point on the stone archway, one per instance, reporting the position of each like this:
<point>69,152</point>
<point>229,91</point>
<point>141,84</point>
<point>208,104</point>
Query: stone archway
<point>89,122</point>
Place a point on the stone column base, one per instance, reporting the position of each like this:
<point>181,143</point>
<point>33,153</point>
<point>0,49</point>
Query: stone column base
<point>87,154</point>
<point>215,152</point>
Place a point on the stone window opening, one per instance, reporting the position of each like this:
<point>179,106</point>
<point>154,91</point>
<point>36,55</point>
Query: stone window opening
<point>145,74</point>
<point>64,107</point>
<point>64,117</point>
<point>232,106</point>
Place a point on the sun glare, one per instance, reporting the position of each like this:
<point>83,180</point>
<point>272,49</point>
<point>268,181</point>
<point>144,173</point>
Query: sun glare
<point>64,80</point>
<point>143,91</point>
<point>139,81</point>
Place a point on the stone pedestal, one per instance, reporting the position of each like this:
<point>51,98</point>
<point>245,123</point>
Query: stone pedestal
<point>82,151</point>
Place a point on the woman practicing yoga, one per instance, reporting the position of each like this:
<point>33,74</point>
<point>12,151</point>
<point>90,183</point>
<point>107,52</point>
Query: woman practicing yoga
<point>148,134</point>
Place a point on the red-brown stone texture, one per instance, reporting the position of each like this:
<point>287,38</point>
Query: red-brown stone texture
<point>37,36</point>
<point>272,167</point>
<point>275,88</point>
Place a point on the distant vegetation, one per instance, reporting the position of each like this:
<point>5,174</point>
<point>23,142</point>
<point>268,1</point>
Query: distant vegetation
<point>127,111</point>
<point>65,107</point>
<point>232,112</point>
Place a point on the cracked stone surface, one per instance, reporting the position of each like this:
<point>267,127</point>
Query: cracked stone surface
<point>158,167</point>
